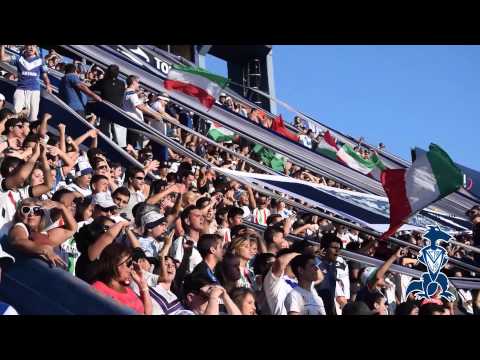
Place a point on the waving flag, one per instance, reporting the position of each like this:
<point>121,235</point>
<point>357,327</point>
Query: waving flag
<point>279,127</point>
<point>220,134</point>
<point>196,82</point>
<point>432,176</point>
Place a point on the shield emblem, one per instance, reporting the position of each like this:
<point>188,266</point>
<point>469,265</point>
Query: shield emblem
<point>434,260</point>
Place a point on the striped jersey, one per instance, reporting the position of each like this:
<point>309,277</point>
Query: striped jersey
<point>29,71</point>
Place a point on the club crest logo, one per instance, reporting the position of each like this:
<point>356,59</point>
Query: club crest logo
<point>434,257</point>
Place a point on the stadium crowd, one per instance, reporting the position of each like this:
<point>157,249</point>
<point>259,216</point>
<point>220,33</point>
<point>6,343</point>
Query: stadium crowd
<point>174,237</point>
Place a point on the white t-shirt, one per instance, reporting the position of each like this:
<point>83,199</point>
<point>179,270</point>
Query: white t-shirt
<point>130,104</point>
<point>75,187</point>
<point>8,206</point>
<point>166,302</point>
<point>150,246</point>
<point>276,290</point>
<point>306,141</point>
<point>304,302</point>
<point>247,213</point>
<point>177,252</point>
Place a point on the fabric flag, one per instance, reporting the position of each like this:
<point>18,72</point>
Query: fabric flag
<point>279,127</point>
<point>328,146</point>
<point>269,158</point>
<point>432,176</point>
<point>219,133</point>
<point>354,160</point>
<point>378,168</point>
<point>196,82</point>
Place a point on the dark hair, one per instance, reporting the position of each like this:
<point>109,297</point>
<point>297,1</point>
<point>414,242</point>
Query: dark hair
<point>220,214</point>
<point>201,202</point>
<point>234,211</point>
<point>4,113</point>
<point>82,205</point>
<point>269,233</point>
<point>59,194</point>
<point>10,162</point>
<point>109,261</point>
<point>405,308</point>
<point>70,68</point>
<point>96,178</point>
<point>207,241</point>
<point>32,137</point>
<point>430,308</point>
<point>329,238</point>
<point>88,234</point>
<point>131,79</point>
<point>171,177</point>
<point>260,264</point>
<point>92,154</point>
<point>271,217</point>
<point>112,71</point>
<point>185,214</point>
<point>132,171</point>
<point>122,191</point>
<point>300,261</point>
<point>223,270</point>
<point>236,229</point>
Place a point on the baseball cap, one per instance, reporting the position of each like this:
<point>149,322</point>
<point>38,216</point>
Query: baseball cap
<point>2,97</point>
<point>83,168</point>
<point>104,200</point>
<point>152,219</point>
<point>357,308</point>
<point>4,255</point>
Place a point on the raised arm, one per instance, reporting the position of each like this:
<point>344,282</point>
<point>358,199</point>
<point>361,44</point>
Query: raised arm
<point>86,90</point>
<point>47,176</point>
<point>61,234</point>
<point>105,239</point>
<point>164,252</point>
<point>279,266</point>
<point>44,125</point>
<point>17,179</point>
<point>155,199</point>
<point>92,133</point>
<point>380,274</point>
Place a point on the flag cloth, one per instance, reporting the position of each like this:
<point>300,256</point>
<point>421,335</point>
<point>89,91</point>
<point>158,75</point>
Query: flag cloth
<point>328,146</point>
<point>432,176</point>
<point>196,82</point>
<point>354,160</point>
<point>219,133</point>
<point>279,127</point>
<point>269,158</point>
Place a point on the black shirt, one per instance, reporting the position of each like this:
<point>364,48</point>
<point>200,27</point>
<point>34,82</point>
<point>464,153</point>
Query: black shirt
<point>204,272</point>
<point>112,90</point>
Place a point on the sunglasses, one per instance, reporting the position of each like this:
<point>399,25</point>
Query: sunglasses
<point>35,210</point>
<point>128,262</point>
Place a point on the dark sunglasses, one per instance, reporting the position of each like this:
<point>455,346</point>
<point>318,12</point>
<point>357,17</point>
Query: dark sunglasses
<point>128,262</point>
<point>36,210</point>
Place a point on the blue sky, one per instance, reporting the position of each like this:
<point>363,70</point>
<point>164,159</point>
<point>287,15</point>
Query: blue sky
<point>403,96</point>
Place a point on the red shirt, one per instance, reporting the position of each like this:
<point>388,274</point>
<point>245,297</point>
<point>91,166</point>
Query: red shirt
<point>128,298</point>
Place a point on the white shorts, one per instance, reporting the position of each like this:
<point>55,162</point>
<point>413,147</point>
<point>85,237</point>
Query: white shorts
<point>28,99</point>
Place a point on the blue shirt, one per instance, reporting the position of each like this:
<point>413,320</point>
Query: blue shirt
<point>69,92</point>
<point>29,71</point>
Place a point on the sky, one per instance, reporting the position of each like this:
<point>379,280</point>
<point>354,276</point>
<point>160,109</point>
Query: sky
<point>401,95</point>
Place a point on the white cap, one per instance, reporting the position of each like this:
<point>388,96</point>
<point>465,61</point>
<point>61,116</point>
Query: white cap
<point>152,219</point>
<point>2,97</point>
<point>4,255</point>
<point>83,168</point>
<point>104,200</point>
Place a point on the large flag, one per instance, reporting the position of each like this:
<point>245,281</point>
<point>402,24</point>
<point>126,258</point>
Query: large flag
<point>196,82</point>
<point>432,176</point>
<point>269,158</point>
<point>328,146</point>
<point>279,127</point>
<point>220,134</point>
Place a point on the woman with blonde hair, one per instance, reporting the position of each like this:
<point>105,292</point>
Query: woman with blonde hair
<point>29,235</point>
<point>240,246</point>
